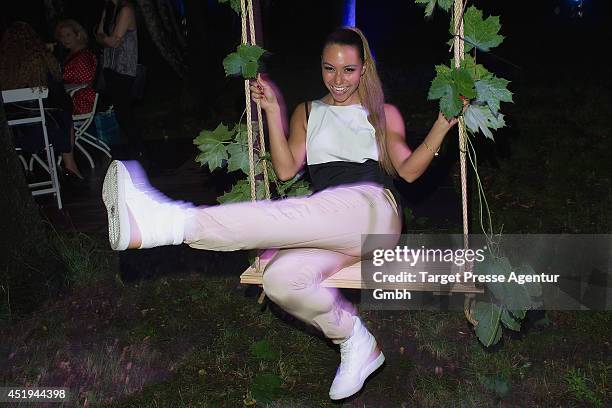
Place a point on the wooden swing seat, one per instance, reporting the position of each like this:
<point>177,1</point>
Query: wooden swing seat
<point>350,278</point>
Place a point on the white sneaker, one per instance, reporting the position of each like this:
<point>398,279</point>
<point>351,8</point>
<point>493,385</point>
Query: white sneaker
<point>160,220</point>
<point>360,357</point>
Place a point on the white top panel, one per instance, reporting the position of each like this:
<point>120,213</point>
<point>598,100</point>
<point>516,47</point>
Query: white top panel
<point>339,133</point>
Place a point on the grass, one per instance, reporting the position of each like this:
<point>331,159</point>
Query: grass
<point>197,341</point>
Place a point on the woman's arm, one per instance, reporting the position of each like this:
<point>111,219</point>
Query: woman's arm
<point>125,21</point>
<point>100,31</point>
<point>288,155</point>
<point>410,165</point>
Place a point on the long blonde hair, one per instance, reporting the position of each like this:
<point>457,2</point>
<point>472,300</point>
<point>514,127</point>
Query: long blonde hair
<point>76,28</point>
<point>370,89</point>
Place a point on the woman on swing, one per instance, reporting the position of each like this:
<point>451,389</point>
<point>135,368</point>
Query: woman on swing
<point>352,143</point>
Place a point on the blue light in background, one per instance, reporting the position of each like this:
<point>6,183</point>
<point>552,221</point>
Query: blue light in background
<point>349,13</point>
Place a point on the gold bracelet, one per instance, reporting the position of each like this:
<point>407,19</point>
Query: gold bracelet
<point>430,149</point>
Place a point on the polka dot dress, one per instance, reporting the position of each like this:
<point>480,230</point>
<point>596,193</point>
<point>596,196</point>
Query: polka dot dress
<point>80,68</point>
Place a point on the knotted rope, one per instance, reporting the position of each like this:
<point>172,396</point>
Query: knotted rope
<point>458,45</point>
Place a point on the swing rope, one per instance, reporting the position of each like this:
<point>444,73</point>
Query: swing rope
<point>248,8</point>
<point>247,95</point>
<point>458,46</point>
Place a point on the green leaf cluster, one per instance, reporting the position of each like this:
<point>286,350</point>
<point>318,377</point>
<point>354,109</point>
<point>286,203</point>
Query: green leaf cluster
<point>512,300</point>
<point>244,62</point>
<point>225,147</point>
<point>474,82</point>
<point>471,80</point>
<point>448,86</point>
<point>213,146</point>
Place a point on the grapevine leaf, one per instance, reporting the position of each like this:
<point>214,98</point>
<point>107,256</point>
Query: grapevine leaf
<point>213,155</point>
<point>488,329</point>
<point>241,191</point>
<point>444,89</point>
<point>232,64</point>
<point>238,158</point>
<point>299,189</point>
<point>509,321</point>
<point>513,295</point>
<point>241,134</point>
<point>250,52</point>
<point>249,69</point>
<point>477,71</point>
<point>451,104</point>
<point>479,33</point>
<point>518,314</point>
<point>441,83</point>
<point>448,85</point>
<point>481,118</point>
<point>234,4</point>
<point>260,189</point>
<point>492,91</point>
<point>220,134</point>
<point>464,82</point>
<point>431,4</point>
<point>429,8</point>
<point>210,143</point>
<point>245,61</point>
<point>445,4</point>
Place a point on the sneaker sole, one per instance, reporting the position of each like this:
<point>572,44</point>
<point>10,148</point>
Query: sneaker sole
<point>113,195</point>
<point>365,373</point>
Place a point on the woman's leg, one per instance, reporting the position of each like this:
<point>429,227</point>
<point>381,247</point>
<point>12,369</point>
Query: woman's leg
<point>333,219</point>
<point>293,279</point>
<point>68,158</point>
<point>272,224</point>
<point>120,89</point>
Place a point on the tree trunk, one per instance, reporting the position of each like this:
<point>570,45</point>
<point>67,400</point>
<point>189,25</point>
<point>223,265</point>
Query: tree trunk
<point>164,36</point>
<point>29,269</point>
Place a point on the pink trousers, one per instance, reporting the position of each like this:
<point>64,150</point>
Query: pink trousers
<point>317,236</point>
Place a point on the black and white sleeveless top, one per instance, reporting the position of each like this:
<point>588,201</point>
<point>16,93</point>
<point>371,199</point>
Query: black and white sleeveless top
<point>341,148</point>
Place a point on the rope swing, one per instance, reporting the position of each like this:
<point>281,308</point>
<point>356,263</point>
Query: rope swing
<point>350,277</point>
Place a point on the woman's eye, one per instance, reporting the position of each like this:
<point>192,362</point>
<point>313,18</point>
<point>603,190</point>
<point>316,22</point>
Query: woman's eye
<point>350,70</point>
<point>328,68</point>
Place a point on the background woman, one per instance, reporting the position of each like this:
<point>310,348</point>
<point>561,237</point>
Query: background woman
<point>79,65</point>
<point>352,143</point>
<point>117,33</point>
<point>26,63</point>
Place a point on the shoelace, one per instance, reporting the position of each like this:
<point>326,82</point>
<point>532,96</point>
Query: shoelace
<point>346,363</point>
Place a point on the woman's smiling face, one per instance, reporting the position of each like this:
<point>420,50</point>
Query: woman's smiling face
<point>68,38</point>
<point>342,68</point>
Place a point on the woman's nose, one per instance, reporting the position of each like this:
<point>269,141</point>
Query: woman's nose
<point>338,79</point>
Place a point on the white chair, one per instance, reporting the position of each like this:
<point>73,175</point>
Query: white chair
<point>51,186</point>
<point>81,123</point>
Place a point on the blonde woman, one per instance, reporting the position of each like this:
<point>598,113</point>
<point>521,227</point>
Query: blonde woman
<point>352,144</point>
<point>79,65</point>
<point>27,63</point>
